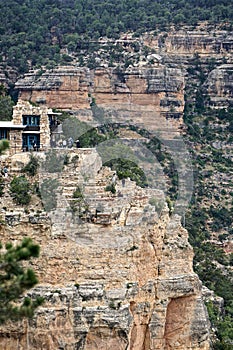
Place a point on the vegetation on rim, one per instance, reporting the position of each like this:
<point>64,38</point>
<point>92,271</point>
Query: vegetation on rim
<point>34,32</point>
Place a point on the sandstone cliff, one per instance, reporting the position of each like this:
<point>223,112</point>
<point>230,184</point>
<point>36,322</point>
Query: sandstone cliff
<point>138,95</point>
<point>151,89</point>
<point>115,273</point>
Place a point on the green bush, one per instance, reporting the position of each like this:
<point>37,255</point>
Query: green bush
<point>4,145</point>
<point>110,188</point>
<point>91,138</point>
<point>20,190</point>
<point>126,168</point>
<point>32,166</point>
<point>78,193</point>
<point>16,280</point>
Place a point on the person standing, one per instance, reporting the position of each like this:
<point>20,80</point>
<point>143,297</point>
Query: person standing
<point>64,143</point>
<point>5,172</point>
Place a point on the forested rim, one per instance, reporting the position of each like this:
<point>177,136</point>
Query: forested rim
<point>33,32</point>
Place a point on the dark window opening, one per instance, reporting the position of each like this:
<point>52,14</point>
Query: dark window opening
<point>31,120</point>
<point>4,134</point>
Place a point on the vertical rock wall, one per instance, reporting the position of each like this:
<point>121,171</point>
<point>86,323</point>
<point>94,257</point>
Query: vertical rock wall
<point>119,277</point>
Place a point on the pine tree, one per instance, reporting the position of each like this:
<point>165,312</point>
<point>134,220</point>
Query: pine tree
<point>15,280</point>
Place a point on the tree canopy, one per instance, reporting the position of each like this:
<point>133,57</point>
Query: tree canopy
<point>33,32</point>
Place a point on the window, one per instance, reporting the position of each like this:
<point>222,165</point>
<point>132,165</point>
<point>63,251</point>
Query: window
<point>4,134</point>
<point>31,120</point>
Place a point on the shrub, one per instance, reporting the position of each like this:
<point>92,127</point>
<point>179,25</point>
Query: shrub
<point>126,168</point>
<point>110,188</point>
<point>32,166</point>
<point>78,193</point>
<point>20,190</point>
<point>4,145</point>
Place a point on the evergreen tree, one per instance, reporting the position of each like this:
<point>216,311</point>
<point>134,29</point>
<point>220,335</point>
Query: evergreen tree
<point>15,280</point>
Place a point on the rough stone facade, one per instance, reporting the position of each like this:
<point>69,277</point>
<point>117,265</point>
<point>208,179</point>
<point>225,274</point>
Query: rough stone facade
<point>25,108</point>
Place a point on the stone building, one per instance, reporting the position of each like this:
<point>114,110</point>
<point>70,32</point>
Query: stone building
<point>31,127</point>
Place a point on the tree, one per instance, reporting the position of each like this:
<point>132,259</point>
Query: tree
<point>20,190</point>
<point>15,280</point>
<point>6,104</point>
<point>4,145</point>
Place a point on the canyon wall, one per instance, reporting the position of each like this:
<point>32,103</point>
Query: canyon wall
<point>150,88</point>
<point>115,273</point>
<point>138,95</point>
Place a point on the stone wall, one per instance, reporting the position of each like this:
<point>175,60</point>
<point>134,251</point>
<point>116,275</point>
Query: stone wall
<point>25,108</point>
<point>15,141</point>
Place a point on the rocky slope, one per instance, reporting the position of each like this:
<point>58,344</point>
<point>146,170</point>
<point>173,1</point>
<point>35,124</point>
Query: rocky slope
<point>114,273</point>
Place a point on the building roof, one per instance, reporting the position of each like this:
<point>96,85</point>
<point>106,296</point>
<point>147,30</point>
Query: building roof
<point>10,125</point>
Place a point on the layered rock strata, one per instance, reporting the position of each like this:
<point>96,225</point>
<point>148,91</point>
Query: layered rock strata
<point>139,95</point>
<point>115,272</point>
<point>149,91</point>
<point>62,88</point>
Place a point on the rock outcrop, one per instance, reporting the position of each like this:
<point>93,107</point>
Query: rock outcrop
<point>114,272</point>
<point>62,88</point>
<point>219,86</point>
<point>148,91</point>
<point>140,95</point>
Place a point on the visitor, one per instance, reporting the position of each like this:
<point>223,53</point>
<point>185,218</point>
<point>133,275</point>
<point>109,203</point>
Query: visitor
<point>114,178</point>
<point>64,143</point>
<point>5,172</point>
<point>70,142</point>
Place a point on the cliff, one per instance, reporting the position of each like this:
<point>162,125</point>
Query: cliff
<point>115,273</point>
<point>147,86</point>
<point>139,95</point>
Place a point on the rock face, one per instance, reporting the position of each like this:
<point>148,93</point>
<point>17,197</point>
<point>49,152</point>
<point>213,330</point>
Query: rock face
<point>150,90</point>
<point>62,88</point>
<point>115,273</point>
<point>205,40</point>
<point>137,94</point>
<point>219,86</point>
